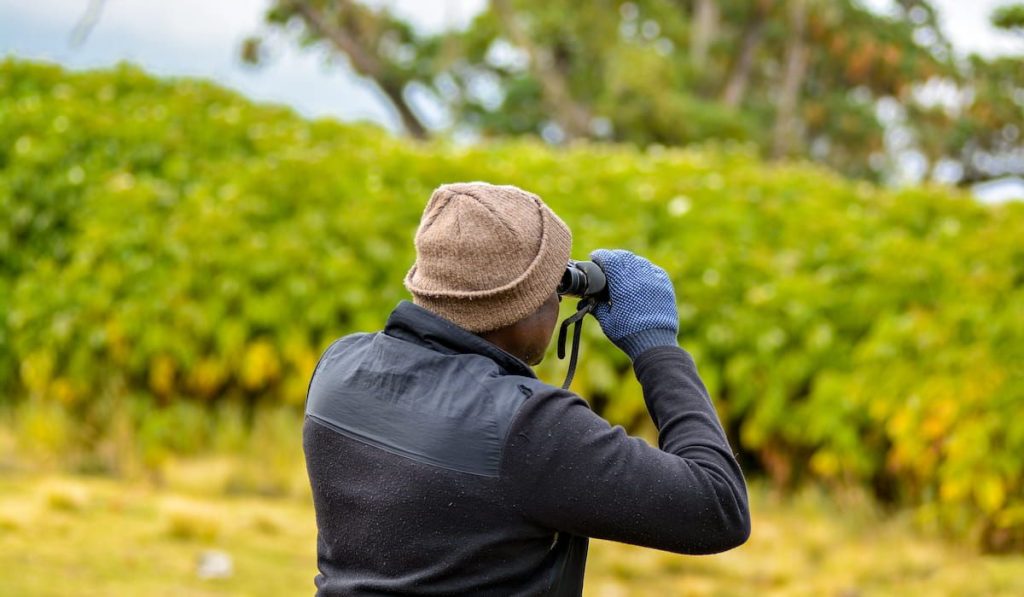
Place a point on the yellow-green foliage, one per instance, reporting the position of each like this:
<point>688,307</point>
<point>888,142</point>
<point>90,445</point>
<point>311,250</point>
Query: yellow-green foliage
<point>167,244</point>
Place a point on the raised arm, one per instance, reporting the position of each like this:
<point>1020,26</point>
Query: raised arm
<point>571,471</point>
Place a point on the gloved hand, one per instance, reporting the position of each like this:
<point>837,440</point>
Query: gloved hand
<point>642,312</point>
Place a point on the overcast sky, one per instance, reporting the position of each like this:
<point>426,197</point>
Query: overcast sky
<point>202,37</point>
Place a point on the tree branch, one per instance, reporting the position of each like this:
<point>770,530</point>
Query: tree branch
<point>571,116</point>
<point>702,31</point>
<point>363,61</point>
<point>739,76</point>
<point>86,24</point>
<point>797,54</point>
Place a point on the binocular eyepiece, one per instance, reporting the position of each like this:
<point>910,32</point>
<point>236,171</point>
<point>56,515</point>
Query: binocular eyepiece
<point>584,279</point>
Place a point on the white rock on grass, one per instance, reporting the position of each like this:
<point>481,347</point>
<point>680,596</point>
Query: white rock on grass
<point>214,564</point>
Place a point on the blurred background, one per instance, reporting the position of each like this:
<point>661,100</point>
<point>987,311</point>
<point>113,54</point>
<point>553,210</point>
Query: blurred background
<point>196,198</point>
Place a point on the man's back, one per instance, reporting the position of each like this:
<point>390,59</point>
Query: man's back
<point>404,439</point>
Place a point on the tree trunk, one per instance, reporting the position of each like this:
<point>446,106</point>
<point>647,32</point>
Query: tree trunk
<point>411,122</point>
<point>797,54</point>
<point>739,75</point>
<point>704,24</point>
<point>572,117</point>
<point>363,60</point>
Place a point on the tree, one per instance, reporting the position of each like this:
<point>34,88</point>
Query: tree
<point>378,46</point>
<point>1009,18</point>
<point>797,78</point>
<point>980,131</point>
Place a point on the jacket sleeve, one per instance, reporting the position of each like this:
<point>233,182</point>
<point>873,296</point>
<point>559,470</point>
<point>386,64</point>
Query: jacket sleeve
<point>569,470</point>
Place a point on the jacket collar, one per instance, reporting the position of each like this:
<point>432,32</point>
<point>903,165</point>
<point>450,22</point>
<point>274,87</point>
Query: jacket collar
<point>413,323</point>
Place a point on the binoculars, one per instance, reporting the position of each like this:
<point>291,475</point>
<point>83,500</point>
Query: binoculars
<point>584,279</point>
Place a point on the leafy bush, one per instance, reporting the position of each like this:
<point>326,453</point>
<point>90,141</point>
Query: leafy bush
<point>167,245</point>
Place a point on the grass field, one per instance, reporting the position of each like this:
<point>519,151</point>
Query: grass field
<point>69,535</point>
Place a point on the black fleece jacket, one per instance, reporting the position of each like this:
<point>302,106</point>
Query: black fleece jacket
<point>440,465</point>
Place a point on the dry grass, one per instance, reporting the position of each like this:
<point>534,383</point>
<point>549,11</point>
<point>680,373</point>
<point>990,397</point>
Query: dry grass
<point>66,497</point>
<point>191,521</point>
<point>86,536</point>
<point>812,544</point>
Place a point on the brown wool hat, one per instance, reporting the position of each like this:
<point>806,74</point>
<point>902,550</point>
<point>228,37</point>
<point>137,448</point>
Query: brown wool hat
<point>487,256</point>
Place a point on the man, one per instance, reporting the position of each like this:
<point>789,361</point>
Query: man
<point>441,465</point>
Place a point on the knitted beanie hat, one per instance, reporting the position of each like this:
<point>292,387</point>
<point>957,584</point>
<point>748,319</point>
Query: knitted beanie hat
<point>487,256</point>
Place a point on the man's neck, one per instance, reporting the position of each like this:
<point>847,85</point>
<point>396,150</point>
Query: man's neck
<point>505,341</point>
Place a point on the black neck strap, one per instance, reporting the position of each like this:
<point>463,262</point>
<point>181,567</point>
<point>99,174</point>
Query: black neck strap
<point>582,308</point>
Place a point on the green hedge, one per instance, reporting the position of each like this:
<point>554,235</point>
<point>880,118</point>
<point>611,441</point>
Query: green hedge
<point>168,242</point>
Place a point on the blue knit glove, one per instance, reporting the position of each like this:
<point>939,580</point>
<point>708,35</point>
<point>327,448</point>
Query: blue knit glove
<point>642,311</point>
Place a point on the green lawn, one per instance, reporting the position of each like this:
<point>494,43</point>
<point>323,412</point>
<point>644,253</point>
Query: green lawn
<point>64,535</point>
